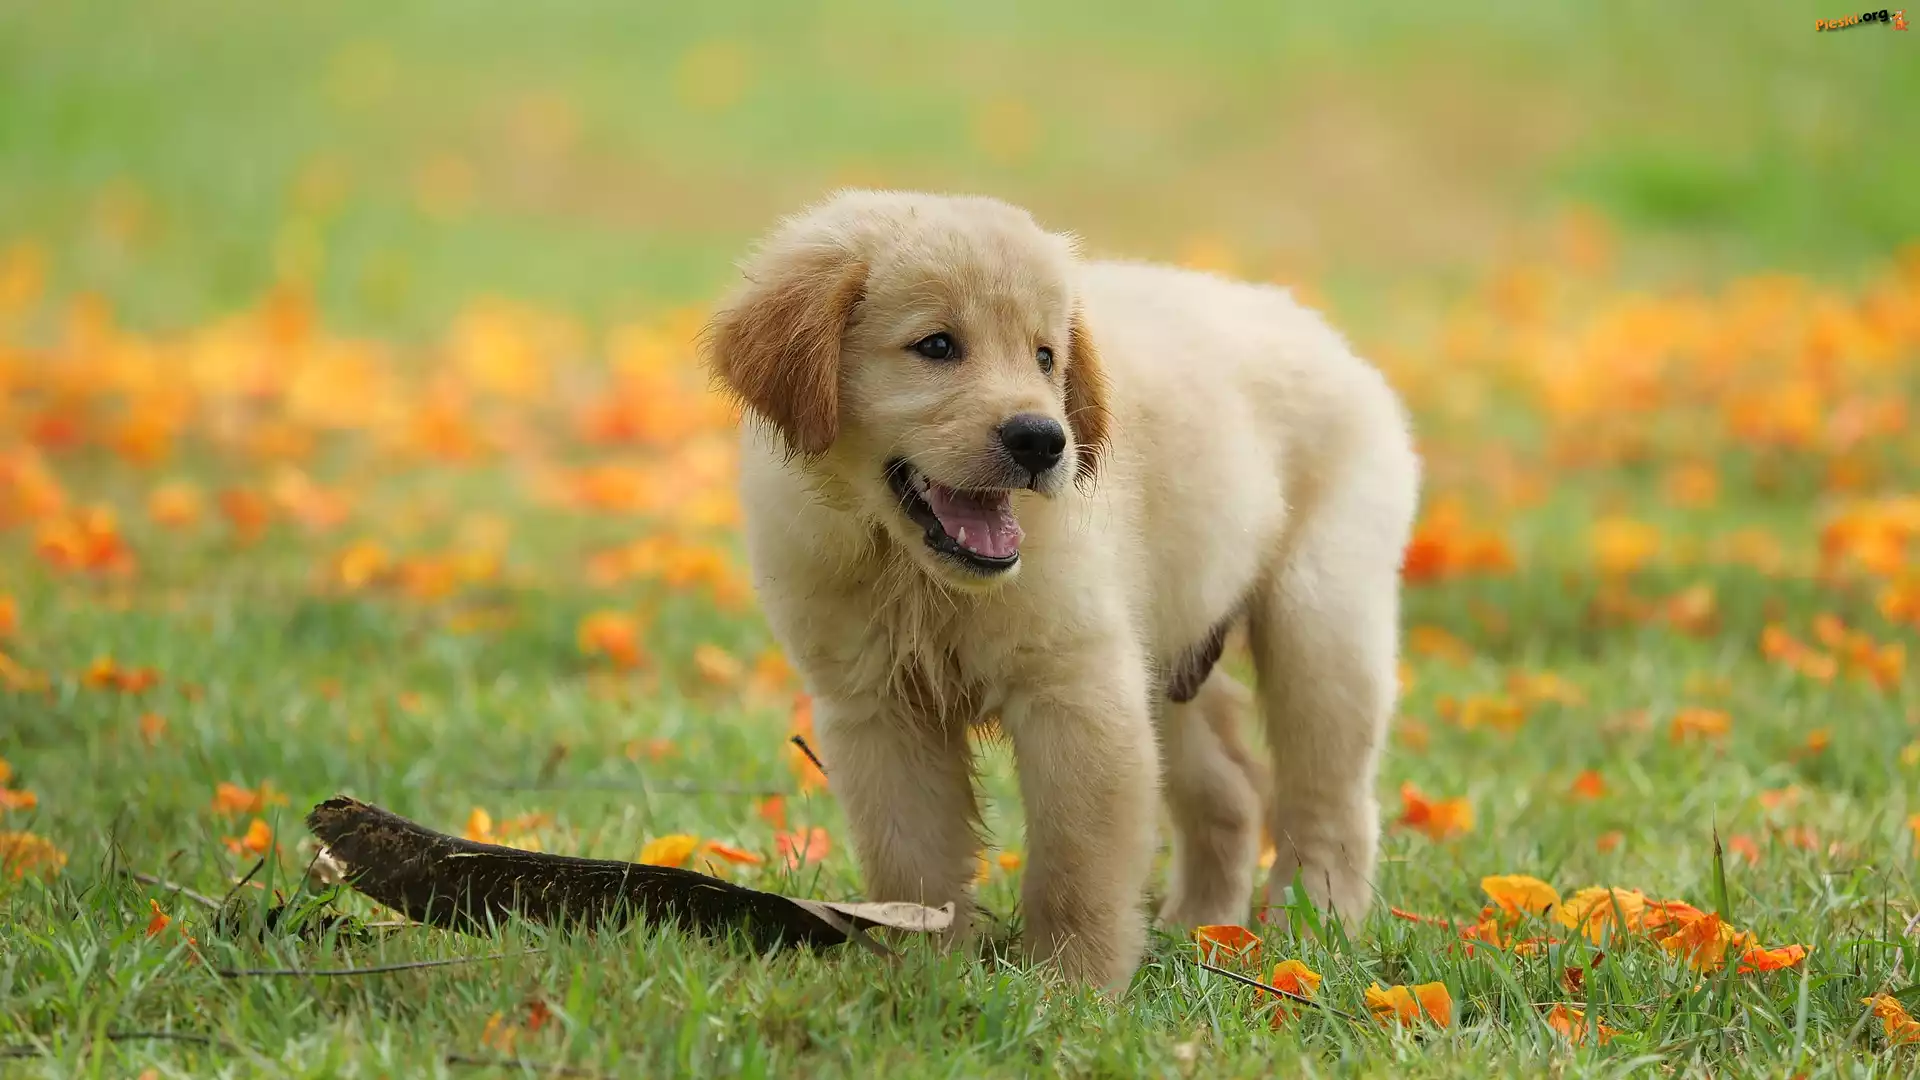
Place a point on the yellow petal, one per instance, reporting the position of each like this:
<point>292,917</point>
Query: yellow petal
<point>672,850</point>
<point>1520,893</point>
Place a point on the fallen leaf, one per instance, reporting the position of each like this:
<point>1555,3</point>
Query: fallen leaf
<point>457,884</point>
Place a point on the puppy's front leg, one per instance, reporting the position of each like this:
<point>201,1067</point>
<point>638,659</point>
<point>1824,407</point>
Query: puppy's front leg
<point>1083,743</point>
<point>907,788</point>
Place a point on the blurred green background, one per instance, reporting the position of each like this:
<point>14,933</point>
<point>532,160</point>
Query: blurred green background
<point>609,156</point>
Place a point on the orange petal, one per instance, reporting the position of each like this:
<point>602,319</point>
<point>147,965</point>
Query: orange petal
<point>23,853</point>
<point>1436,1002</point>
<point>1774,959</point>
<point>1572,1023</point>
<point>1592,911</point>
<point>799,848</point>
<point>733,854</point>
<point>1406,1003</point>
<point>480,827</point>
<point>1237,941</point>
<point>1589,785</point>
<point>1703,942</point>
<point>1295,977</point>
<point>718,666</point>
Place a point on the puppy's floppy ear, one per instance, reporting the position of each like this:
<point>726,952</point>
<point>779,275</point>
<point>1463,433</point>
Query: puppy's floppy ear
<point>1087,411</point>
<point>776,345</point>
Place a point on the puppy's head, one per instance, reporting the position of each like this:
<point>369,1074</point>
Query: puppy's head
<point>927,353</point>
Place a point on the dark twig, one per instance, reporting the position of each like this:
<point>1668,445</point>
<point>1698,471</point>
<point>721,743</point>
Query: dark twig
<point>538,1067</point>
<point>202,899</point>
<point>1239,978</point>
<point>379,969</point>
<point>801,742</point>
<point>31,1051</point>
<point>242,883</point>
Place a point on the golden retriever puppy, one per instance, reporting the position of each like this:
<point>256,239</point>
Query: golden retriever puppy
<point>993,479</point>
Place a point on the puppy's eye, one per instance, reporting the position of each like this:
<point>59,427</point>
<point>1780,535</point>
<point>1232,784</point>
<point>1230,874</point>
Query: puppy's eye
<point>1045,356</point>
<point>937,347</point>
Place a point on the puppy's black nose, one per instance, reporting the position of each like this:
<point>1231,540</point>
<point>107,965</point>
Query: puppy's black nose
<point>1035,442</point>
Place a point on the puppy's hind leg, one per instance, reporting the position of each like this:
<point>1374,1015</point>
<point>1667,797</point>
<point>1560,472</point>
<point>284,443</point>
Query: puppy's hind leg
<point>1214,791</point>
<point>1324,632</point>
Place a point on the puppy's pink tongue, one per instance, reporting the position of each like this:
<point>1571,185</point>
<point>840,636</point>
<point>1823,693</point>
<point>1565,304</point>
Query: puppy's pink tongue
<point>983,523</point>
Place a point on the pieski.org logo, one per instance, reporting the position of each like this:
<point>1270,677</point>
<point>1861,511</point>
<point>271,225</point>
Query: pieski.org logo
<point>1897,18</point>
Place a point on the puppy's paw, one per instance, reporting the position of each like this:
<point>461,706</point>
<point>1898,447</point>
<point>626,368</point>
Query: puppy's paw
<point>1342,892</point>
<point>1188,906</point>
<point>1333,858</point>
<point>1100,951</point>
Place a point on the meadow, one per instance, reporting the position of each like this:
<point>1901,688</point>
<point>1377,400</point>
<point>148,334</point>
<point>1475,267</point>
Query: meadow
<point>352,440</point>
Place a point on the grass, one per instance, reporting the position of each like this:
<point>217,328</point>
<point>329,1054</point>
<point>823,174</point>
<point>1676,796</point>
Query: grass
<point>404,520</point>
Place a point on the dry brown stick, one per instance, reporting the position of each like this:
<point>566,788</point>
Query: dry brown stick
<point>1301,998</point>
<point>202,899</point>
<point>378,969</point>
<point>242,883</point>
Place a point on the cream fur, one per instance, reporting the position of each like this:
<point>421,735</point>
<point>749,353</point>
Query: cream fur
<point>1256,469</point>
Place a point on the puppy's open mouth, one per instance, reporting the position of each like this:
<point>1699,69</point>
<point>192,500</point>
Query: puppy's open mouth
<point>974,528</point>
